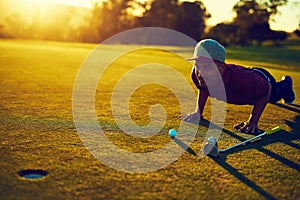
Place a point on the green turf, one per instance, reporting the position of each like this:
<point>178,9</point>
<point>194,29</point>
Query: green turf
<point>286,57</point>
<point>37,131</point>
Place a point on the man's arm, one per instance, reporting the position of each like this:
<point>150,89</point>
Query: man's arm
<point>197,114</point>
<point>201,101</point>
<point>251,126</point>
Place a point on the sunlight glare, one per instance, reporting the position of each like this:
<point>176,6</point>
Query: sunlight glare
<point>76,3</point>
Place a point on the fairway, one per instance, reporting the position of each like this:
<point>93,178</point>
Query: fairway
<point>37,129</point>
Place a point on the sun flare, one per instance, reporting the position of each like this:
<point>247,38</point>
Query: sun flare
<point>75,3</point>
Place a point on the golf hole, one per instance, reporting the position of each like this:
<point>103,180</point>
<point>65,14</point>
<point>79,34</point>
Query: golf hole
<point>32,173</point>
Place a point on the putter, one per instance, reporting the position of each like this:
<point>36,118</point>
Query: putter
<point>268,132</point>
<point>211,148</point>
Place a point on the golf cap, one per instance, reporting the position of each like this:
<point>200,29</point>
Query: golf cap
<point>209,48</point>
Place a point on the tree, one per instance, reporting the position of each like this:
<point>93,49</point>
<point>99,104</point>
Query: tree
<point>297,32</point>
<point>15,26</point>
<point>252,20</point>
<point>186,17</point>
<point>3,34</point>
<point>161,13</point>
<point>192,22</point>
<point>272,5</point>
<point>251,23</point>
<point>225,33</point>
<point>107,19</point>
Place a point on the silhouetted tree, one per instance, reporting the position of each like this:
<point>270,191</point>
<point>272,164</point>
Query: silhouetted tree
<point>107,19</point>
<point>2,32</point>
<point>272,5</point>
<point>252,20</point>
<point>192,20</point>
<point>297,31</point>
<point>226,33</point>
<point>186,17</point>
<point>15,26</point>
<point>251,23</point>
<point>162,13</point>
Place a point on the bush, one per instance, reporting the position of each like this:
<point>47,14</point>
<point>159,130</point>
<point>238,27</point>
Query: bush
<point>268,43</point>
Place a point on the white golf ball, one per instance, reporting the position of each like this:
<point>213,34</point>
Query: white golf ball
<point>172,133</point>
<point>212,140</point>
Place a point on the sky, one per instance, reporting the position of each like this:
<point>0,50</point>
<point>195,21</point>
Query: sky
<point>220,10</point>
<point>288,20</point>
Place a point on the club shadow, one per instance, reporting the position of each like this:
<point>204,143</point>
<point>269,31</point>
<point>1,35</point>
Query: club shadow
<point>295,105</point>
<point>242,178</point>
<point>295,133</point>
<point>222,162</point>
<point>279,137</point>
<point>282,136</point>
<point>184,146</point>
<point>291,107</point>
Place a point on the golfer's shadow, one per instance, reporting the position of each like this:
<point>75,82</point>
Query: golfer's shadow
<point>282,137</point>
<point>222,160</point>
<point>279,137</point>
<point>230,169</point>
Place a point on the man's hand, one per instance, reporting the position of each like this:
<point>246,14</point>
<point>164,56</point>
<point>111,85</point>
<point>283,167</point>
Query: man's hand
<point>192,117</point>
<point>247,127</point>
<point>250,126</point>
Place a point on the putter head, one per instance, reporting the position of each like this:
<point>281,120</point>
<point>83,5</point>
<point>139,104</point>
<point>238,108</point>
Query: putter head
<point>211,149</point>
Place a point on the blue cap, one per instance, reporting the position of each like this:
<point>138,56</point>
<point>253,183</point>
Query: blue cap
<point>209,48</point>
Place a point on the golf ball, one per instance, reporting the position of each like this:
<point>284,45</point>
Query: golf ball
<point>172,133</point>
<point>212,140</point>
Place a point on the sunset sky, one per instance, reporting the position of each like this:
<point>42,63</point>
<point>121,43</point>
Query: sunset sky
<point>288,20</point>
<point>221,10</point>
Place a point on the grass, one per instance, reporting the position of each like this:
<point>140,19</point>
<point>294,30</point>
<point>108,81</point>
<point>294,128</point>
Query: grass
<point>286,57</point>
<point>37,131</point>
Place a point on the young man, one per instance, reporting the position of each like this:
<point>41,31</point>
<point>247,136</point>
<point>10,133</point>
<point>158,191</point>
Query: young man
<point>243,86</point>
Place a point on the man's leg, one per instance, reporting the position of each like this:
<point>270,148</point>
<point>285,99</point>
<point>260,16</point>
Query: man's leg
<point>286,88</point>
<point>276,94</point>
<point>280,90</point>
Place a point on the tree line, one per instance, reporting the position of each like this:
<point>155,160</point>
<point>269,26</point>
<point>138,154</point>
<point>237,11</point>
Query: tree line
<point>251,23</point>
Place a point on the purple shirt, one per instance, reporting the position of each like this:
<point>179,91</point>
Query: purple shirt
<point>242,85</point>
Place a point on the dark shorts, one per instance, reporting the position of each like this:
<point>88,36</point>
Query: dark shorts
<point>275,95</point>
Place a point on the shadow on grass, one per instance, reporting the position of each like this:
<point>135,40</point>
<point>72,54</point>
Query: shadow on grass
<point>280,137</point>
<point>184,146</point>
<point>222,161</point>
<point>295,134</point>
<point>241,177</point>
<point>291,107</point>
<point>295,105</point>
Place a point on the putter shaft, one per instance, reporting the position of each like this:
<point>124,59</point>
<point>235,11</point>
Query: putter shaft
<point>243,142</point>
<point>273,130</point>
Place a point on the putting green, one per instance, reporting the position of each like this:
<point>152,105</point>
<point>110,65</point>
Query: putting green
<point>37,132</point>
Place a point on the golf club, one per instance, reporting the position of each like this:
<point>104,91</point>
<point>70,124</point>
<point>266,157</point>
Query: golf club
<point>213,151</point>
<point>273,130</point>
